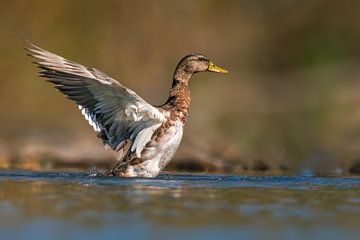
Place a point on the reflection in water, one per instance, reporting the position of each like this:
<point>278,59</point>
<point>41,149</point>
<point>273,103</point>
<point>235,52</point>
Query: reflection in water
<point>72,204</point>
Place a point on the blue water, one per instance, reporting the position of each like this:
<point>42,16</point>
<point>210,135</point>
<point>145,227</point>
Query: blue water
<point>71,205</point>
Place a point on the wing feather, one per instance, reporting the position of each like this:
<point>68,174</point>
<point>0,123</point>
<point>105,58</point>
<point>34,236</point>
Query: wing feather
<point>115,112</point>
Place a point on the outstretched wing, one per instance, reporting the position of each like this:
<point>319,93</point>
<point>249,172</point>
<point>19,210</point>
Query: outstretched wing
<point>115,112</point>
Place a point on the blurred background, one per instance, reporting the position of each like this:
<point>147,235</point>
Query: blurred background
<point>290,102</point>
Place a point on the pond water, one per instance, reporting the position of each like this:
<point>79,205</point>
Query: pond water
<point>70,205</point>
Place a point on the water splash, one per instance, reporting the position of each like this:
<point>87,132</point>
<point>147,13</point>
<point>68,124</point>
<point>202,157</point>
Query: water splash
<point>93,172</point>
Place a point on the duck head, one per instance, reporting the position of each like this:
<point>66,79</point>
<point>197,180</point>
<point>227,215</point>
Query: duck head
<point>194,63</point>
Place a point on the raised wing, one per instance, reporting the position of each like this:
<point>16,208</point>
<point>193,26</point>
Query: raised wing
<point>115,112</point>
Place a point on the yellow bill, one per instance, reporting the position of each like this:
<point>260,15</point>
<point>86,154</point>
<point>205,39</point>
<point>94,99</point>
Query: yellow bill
<point>214,68</point>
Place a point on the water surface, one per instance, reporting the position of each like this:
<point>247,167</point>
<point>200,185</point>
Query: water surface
<point>68,205</point>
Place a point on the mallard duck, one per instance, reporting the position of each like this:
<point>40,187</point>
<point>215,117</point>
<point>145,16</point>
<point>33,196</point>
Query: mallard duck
<point>144,137</point>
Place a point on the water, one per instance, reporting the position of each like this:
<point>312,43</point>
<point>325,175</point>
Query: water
<point>68,205</point>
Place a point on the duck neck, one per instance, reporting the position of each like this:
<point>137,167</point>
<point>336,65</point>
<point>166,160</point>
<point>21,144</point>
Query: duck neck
<point>179,98</point>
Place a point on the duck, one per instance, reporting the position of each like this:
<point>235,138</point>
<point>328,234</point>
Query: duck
<point>144,137</point>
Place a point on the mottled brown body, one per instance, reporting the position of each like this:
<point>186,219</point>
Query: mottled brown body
<point>177,109</point>
<point>166,138</point>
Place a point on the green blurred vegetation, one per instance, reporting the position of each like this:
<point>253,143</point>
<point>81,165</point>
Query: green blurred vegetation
<point>290,100</point>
